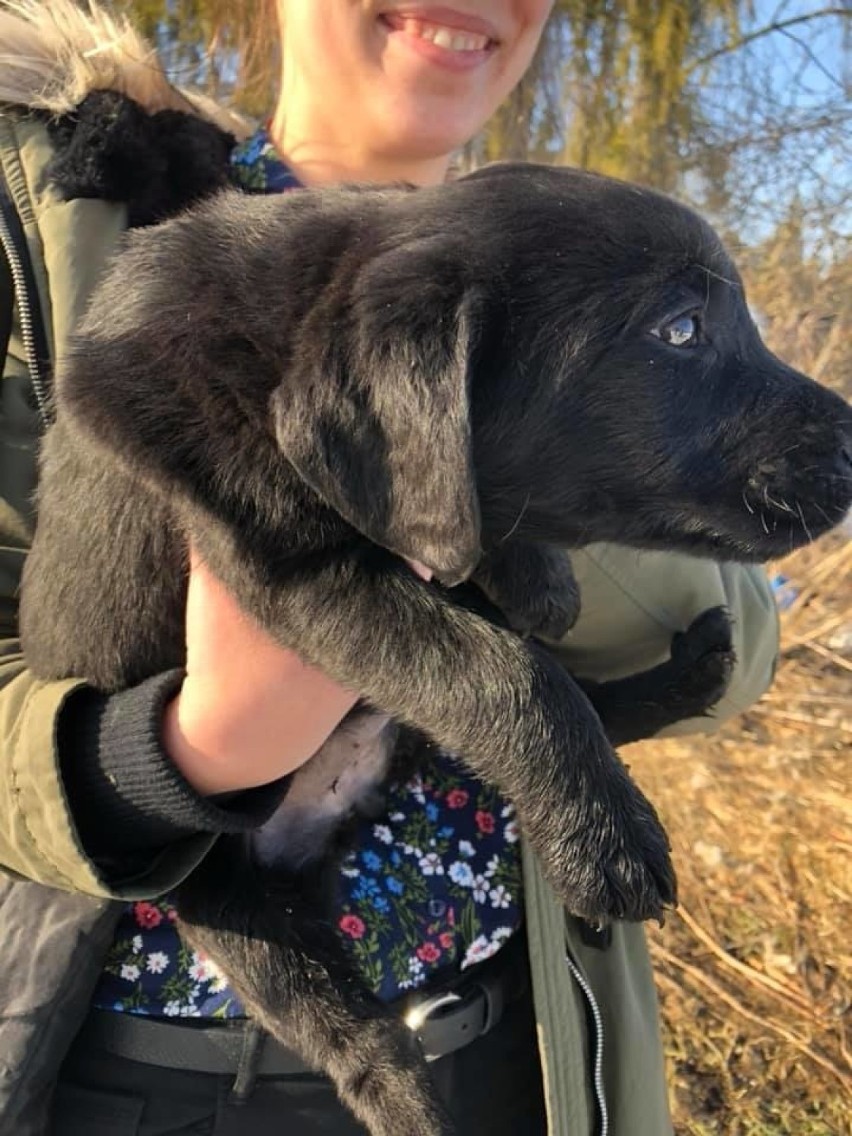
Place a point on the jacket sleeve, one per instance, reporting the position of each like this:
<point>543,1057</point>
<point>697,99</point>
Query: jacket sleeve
<point>89,800</point>
<point>57,740</point>
<point>633,602</point>
<point>40,838</point>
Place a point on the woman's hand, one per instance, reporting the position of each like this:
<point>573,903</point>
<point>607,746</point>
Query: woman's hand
<point>249,711</point>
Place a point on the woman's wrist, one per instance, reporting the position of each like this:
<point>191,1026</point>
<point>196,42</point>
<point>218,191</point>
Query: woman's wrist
<point>128,801</point>
<point>252,732</point>
<point>249,711</point>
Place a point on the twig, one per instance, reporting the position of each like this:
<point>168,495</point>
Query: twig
<point>832,564</point>
<point>844,1049</point>
<point>801,719</point>
<point>793,1039</point>
<point>768,29</point>
<point>817,632</point>
<point>790,996</point>
<point>819,699</point>
<point>832,656</point>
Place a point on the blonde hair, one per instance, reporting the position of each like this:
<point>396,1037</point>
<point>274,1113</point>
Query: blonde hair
<point>257,33</point>
<point>53,53</point>
<point>244,35</point>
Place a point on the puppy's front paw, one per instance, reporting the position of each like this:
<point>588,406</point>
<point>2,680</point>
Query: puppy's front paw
<point>616,862</point>
<point>534,587</point>
<point>702,659</point>
<point>550,615</point>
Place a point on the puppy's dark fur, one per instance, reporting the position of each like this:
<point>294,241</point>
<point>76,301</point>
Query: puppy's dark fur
<point>316,385</point>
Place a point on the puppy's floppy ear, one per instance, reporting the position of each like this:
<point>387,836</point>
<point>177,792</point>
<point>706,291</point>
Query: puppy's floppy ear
<point>374,416</point>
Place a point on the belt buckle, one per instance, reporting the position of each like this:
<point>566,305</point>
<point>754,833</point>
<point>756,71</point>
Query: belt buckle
<point>418,1016</point>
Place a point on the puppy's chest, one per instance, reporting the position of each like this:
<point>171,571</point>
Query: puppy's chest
<point>343,778</point>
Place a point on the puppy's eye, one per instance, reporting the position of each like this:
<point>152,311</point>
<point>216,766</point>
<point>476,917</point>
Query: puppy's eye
<point>682,331</point>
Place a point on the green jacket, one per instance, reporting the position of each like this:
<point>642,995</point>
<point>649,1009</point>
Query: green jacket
<point>632,604</point>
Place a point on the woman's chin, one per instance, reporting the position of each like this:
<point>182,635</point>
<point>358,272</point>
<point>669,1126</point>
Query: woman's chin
<point>427,133</point>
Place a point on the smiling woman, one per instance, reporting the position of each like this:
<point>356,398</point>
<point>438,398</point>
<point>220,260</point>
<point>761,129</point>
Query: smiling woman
<point>387,92</point>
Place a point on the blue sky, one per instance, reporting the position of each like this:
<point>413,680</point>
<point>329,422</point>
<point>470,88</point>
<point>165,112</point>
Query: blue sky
<point>800,73</point>
<point>811,65</point>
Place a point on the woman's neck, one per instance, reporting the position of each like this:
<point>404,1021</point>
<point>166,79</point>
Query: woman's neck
<point>317,160</point>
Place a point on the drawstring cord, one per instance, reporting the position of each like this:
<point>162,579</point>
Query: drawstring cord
<point>254,1037</point>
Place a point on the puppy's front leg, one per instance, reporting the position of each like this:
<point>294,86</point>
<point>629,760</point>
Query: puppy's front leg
<point>533,585</point>
<point>512,713</point>
<point>687,685</point>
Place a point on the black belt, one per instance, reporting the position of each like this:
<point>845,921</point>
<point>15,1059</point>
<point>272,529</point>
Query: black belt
<point>442,1020</point>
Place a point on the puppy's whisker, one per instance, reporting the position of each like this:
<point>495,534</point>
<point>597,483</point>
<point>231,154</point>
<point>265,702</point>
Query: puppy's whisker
<point>817,505</point>
<point>842,478</point>
<point>747,505</point>
<point>763,522</point>
<point>520,517</point>
<point>804,522</point>
<point>717,276</point>
<point>782,504</point>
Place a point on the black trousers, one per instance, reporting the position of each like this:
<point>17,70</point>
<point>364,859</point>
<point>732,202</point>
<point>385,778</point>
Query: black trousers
<point>492,1086</point>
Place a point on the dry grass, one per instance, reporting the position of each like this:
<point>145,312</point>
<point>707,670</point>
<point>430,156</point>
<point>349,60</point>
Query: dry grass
<point>755,971</point>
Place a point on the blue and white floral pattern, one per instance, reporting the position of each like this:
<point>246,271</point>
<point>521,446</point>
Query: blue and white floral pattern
<point>436,886</point>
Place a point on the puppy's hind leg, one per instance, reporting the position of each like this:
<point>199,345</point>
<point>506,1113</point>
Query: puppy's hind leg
<point>267,932</point>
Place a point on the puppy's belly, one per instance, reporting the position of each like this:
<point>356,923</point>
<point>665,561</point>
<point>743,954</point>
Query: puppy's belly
<point>342,779</point>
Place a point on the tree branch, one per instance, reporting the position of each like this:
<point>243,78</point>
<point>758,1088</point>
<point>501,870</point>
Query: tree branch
<point>767,29</point>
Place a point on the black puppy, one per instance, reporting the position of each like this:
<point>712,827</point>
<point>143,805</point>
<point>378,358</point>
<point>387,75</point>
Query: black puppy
<point>527,355</point>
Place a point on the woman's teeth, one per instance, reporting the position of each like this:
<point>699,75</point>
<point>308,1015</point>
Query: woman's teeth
<point>449,38</point>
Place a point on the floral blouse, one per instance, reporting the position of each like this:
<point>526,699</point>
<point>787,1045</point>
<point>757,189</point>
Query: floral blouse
<point>436,886</point>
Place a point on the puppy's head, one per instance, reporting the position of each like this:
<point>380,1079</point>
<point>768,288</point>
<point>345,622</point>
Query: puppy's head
<point>647,408</point>
<point>529,351</point>
<point>588,345</point>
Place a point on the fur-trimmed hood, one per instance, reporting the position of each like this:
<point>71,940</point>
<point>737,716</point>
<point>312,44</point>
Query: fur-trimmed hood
<point>121,130</point>
<point>53,54</point>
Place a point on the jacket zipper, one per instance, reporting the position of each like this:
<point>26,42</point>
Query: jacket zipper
<point>597,1017</point>
<point>12,239</point>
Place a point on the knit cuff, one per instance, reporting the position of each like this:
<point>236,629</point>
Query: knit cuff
<point>127,798</point>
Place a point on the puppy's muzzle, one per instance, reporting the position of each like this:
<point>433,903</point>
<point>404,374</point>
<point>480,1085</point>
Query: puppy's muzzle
<point>811,477</point>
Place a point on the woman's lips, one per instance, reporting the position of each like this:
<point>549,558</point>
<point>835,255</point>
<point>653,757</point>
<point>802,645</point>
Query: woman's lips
<point>451,39</point>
